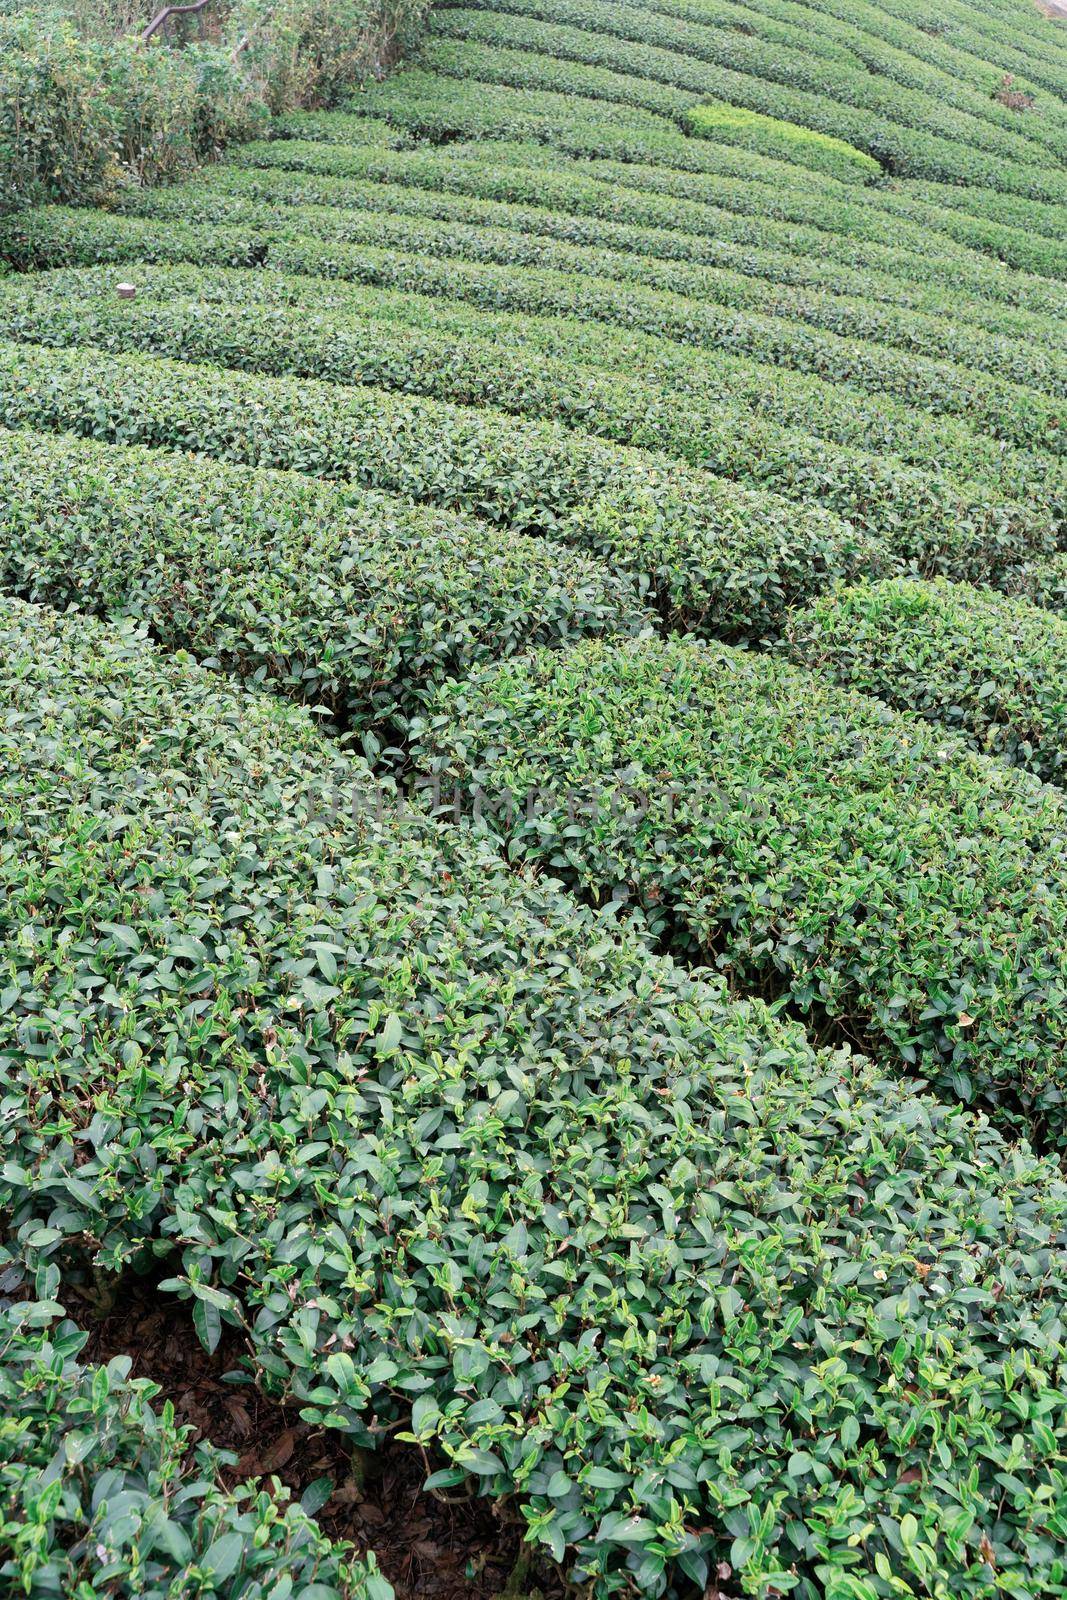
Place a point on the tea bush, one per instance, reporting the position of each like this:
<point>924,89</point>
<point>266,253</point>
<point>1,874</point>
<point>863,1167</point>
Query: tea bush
<point>785,141</point>
<point>710,385</point>
<point>99,1488</point>
<point>794,832</point>
<point>433,103</point>
<point>514,185</point>
<point>991,668</point>
<point>713,554</point>
<point>461,1155</point>
<point>353,601</point>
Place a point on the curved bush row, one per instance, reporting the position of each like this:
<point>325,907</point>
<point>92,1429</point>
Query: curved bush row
<point>991,668</point>
<point>783,67</point>
<point>577,60</point>
<point>1028,216</point>
<point>925,518</point>
<point>1030,249</point>
<point>1024,416</point>
<point>715,555</point>
<point>785,141</point>
<point>861,862</point>
<point>708,379</point>
<point>624,255</point>
<point>354,602</point>
<point>585,212</point>
<point>473,1163</point>
<point>540,198</point>
<point>480,92</point>
<point>98,1488</point>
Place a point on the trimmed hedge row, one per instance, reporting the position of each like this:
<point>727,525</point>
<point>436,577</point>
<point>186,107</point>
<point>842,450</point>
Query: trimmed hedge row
<point>707,379</point>
<point>798,833</point>
<point>352,601</point>
<point>576,60</point>
<point>1025,416</point>
<point>952,42</point>
<point>991,668</point>
<point>519,69</point>
<point>453,1152</point>
<point>719,556</point>
<point>100,1493</point>
<point>925,518</point>
<point>785,141</point>
<point>520,191</point>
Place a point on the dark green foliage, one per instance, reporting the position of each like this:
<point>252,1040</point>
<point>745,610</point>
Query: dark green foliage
<point>798,833</point>
<point>82,119</point>
<point>102,1494</point>
<point>685,533</point>
<point>445,1145</point>
<point>586,52</point>
<point>991,668</point>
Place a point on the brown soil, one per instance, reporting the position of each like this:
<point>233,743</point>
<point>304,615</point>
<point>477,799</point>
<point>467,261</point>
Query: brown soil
<point>429,1549</point>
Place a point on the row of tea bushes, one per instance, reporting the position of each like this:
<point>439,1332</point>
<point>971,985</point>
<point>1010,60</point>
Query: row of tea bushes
<point>513,185</point>
<point>862,43</point>
<point>650,258</point>
<point>577,60</point>
<point>1008,410</point>
<point>713,554</point>
<point>102,1493</point>
<point>481,72</point>
<point>927,518</point>
<point>350,600</point>
<point>713,386</point>
<point>781,70</point>
<point>457,1154</point>
<point>483,104</point>
<point>797,833</point>
<point>992,668</point>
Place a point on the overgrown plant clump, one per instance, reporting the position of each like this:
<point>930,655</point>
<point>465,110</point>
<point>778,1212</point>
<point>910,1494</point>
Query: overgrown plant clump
<point>97,1487</point>
<point>795,834</point>
<point>85,114</point>
<point>451,1150</point>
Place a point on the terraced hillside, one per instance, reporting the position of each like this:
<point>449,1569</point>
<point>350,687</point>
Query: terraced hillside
<point>533,669</point>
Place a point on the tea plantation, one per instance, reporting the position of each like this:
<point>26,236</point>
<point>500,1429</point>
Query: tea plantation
<point>533,878</point>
